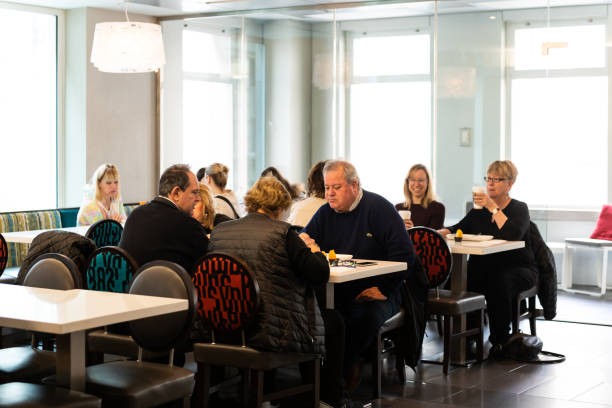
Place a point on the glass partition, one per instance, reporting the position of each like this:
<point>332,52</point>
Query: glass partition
<point>288,87</point>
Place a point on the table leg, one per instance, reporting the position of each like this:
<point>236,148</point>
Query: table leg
<point>459,285</point>
<point>329,295</point>
<point>71,360</point>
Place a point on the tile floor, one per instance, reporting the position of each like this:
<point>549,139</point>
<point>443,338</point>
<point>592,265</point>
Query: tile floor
<point>583,380</point>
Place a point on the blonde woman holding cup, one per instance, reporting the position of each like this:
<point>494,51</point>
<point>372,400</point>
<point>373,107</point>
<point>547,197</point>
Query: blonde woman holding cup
<point>420,208</point>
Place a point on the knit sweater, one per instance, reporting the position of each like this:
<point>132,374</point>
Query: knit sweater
<point>373,230</point>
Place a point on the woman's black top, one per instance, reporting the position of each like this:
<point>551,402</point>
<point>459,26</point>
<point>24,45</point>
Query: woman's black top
<point>432,216</point>
<point>516,228</point>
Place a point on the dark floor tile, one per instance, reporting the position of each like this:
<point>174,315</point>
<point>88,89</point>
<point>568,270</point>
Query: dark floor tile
<point>564,388</point>
<point>475,397</point>
<point>601,394</point>
<point>513,383</point>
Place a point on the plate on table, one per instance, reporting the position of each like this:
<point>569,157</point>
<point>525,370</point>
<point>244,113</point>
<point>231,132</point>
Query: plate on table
<point>471,237</point>
<point>343,257</point>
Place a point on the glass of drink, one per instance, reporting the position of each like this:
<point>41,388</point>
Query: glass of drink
<point>477,190</point>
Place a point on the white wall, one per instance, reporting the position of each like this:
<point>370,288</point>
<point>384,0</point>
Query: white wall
<point>109,117</point>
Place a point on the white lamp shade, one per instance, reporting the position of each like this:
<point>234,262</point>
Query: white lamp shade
<point>128,47</point>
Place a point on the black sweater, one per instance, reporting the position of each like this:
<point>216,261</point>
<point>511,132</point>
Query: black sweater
<point>516,228</point>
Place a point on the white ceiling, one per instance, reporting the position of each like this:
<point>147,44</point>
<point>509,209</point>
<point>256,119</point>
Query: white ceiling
<point>345,9</point>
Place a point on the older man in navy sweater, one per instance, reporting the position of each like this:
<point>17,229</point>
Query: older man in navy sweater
<point>366,225</point>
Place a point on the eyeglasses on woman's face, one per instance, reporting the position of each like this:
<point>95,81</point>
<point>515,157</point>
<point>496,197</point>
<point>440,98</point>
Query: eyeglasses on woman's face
<point>494,179</point>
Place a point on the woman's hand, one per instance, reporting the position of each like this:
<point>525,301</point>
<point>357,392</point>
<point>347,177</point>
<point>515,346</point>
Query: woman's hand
<point>408,223</point>
<point>310,243</point>
<point>444,232</point>
<point>483,200</point>
<point>117,217</point>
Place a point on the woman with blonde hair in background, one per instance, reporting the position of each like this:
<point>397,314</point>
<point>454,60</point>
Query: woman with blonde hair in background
<point>204,210</point>
<point>102,198</point>
<point>225,201</point>
<point>420,201</point>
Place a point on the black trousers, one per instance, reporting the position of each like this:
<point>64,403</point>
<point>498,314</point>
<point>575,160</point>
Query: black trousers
<point>362,320</point>
<point>501,286</point>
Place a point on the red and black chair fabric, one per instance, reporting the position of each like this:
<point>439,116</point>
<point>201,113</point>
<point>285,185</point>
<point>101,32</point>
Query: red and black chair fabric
<point>105,233</point>
<point>3,261</point>
<point>436,258</point>
<point>228,302</point>
<point>3,254</point>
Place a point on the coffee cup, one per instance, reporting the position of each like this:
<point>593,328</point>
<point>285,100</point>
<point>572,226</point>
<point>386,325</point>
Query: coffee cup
<point>477,190</point>
<point>405,214</point>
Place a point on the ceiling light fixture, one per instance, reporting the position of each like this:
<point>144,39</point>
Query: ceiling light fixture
<point>127,47</point>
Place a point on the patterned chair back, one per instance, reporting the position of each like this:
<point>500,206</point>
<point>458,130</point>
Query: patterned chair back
<point>228,294</point>
<point>105,233</point>
<point>3,254</point>
<point>434,254</point>
<point>110,269</point>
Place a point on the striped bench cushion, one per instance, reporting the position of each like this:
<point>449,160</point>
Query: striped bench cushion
<point>25,221</point>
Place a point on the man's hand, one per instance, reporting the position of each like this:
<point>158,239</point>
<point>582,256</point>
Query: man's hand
<point>310,243</point>
<point>370,294</point>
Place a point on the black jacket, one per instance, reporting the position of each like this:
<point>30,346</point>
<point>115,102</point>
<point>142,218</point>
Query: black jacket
<point>289,318</point>
<point>74,246</point>
<point>547,272</point>
<point>158,230</point>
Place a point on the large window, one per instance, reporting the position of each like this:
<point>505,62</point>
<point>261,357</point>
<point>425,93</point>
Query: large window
<point>390,109</point>
<point>28,106</point>
<point>559,114</point>
<point>221,95</point>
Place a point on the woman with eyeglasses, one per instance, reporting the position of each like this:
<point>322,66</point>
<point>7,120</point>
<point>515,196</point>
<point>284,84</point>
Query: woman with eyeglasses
<point>501,276</point>
<point>102,198</point>
<point>425,210</point>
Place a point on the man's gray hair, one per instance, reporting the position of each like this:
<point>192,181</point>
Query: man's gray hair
<point>174,176</point>
<point>350,172</point>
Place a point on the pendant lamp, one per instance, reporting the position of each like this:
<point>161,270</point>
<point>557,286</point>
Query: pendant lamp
<point>127,46</point>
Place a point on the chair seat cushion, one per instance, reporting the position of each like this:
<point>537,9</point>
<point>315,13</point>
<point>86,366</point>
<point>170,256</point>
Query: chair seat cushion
<point>25,364</point>
<point>134,384</point>
<point>246,357</point>
<point>532,291</point>
<point>392,323</point>
<point>25,395</point>
<point>9,275</point>
<point>118,344</point>
<point>453,304</point>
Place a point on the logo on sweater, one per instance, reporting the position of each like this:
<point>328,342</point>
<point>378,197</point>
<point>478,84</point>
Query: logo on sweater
<point>368,235</point>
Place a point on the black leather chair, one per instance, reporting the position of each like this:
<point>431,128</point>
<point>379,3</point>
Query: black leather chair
<point>530,311</point>
<point>28,364</point>
<point>213,275</point>
<point>144,384</point>
<point>436,258</point>
<point>112,269</point>
<point>105,233</point>
<point>390,329</point>
<point>25,395</point>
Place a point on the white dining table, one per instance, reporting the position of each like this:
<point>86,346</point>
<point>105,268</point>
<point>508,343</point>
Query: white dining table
<point>69,313</point>
<point>340,274</point>
<point>460,251</point>
<point>26,237</point>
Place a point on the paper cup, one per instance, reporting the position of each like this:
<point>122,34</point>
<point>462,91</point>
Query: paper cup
<point>477,189</point>
<point>405,214</point>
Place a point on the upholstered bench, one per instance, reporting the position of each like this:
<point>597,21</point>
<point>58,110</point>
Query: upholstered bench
<point>570,244</point>
<point>25,221</point>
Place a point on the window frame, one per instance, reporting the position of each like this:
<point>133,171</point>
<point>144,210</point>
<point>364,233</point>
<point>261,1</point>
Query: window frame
<point>60,79</point>
<point>511,74</point>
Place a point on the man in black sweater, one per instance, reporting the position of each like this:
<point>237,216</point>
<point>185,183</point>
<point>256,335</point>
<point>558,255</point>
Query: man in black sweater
<point>164,229</point>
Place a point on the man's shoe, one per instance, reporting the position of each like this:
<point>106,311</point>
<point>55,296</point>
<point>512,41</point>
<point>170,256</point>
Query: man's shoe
<point>496,352</point>
<point>353,377</point>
